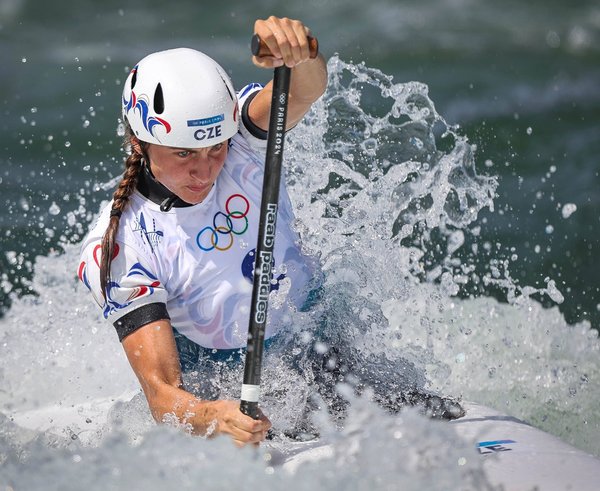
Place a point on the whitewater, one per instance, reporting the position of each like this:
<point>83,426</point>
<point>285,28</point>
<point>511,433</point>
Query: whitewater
<point>388,197</point>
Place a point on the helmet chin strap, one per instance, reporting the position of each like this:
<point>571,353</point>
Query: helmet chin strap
<point>168,203</point>
<point>157,192</point>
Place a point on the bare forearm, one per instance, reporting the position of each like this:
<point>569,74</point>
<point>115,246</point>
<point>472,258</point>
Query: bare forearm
<point>166,401</point>
<point>307,84</point>
<point>205,418</point>
<point>153,356</point>
<point>287,43</point>
<point>308,80</point>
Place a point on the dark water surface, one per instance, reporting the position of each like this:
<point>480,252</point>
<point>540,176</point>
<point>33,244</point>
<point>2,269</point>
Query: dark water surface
<point>522,80</point>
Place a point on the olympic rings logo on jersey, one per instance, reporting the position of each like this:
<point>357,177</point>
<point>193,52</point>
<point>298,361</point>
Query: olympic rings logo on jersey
<point>225,225</point>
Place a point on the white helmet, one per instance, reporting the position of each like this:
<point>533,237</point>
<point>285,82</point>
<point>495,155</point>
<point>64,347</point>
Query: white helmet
<point>180,98</point>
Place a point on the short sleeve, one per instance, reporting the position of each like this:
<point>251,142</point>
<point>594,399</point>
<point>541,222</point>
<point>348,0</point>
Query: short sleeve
<point>256,136</point>
<point>135,296</point>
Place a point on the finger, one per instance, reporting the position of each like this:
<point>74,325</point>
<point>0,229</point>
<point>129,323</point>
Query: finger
<point>296,37</point>
<point>242,436</point>
<point>246,428</point>
<point>302,33</point>
<point>260,430</point>
<point>266,423</point>
<point>267,61</point>
<point>240,443</point>
<point>286,40</point>
<point>265,29</point>
<point>250,437</point>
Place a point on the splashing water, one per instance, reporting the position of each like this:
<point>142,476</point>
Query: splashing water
<point>375,236</point>
<point>387,197</point>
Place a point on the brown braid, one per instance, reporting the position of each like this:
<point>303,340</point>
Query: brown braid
<point>133,166</point>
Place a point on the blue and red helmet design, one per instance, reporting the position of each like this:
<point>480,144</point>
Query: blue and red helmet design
<point>140,105</point>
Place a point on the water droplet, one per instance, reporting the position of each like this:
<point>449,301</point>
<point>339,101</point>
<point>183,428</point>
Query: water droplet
<point>67,144</point>
<point>568,209</point>
<point>54,209</point>
<point>553,292</point>
<point>24,60</point>
<point>553,39</point>
<point>549,229</point>
<point>529,130</point>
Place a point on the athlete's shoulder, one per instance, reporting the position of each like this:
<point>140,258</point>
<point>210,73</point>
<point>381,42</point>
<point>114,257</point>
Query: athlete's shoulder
<point>98,226</point>
<point>247,90</point>
<point>257,137</point>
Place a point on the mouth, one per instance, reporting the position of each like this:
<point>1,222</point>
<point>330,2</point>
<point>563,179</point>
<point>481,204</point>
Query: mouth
<point>197,189</point>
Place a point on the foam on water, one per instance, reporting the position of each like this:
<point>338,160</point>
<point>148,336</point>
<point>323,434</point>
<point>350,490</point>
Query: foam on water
<point>387,197</point>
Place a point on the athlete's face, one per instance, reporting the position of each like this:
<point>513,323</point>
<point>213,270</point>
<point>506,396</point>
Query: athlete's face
<point>189,173</point>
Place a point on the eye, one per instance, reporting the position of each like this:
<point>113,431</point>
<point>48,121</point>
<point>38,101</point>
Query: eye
<point>183,153</point>
<point>216,148</point>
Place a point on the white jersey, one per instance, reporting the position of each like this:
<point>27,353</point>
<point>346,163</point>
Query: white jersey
<point>198,260</point>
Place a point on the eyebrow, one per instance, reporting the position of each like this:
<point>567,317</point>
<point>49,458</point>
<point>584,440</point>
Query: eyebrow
<point>176,149</point>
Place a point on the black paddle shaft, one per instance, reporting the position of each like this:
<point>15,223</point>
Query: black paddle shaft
<point>266,243</point>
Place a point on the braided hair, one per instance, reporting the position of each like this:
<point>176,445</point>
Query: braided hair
<point>133,167</point>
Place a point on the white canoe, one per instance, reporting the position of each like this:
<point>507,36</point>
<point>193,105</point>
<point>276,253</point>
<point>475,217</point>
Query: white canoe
<point>521,457</point>
<point>515,455</point>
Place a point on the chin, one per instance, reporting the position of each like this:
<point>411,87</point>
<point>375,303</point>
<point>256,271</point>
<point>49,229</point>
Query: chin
<point>193,198</point>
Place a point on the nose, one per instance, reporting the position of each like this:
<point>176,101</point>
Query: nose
<point>200,167</point>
